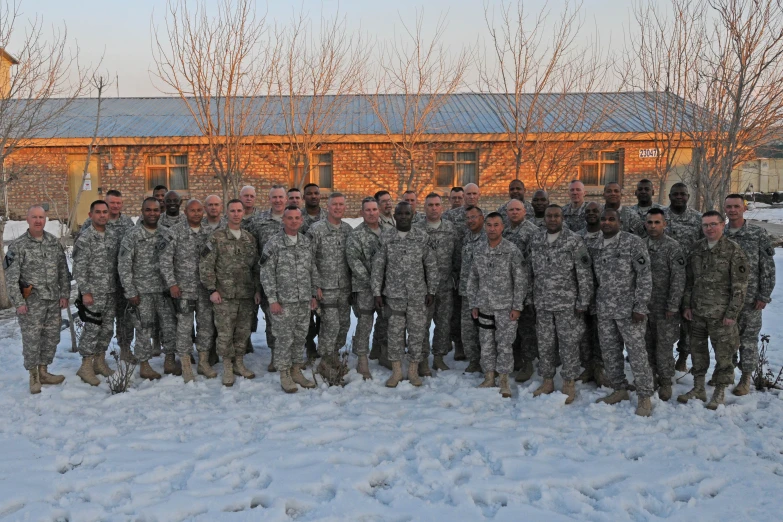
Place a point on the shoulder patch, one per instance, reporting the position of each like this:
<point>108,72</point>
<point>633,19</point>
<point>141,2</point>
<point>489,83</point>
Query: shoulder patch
<point>742,269</point>
<point>125,251</point>
<point>583,257</point>
<point>640,260</point>
<point>9,259</point>
<point>207,249</point>
<point>680,260</point>
<point>770,251</point>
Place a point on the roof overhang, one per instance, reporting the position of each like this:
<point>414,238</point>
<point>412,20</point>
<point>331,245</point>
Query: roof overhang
<point>5,55</point>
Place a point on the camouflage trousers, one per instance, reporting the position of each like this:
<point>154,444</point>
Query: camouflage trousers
<point>661,335</point>
<point>406,315</point>
<point>455,325</point>
<point>198,307</point>
<point>335,320</point>
<point>290,331</point>
<point>270,338</point>
<point>589,347</point>
<point>725,340</point>
<point>496,333</point>
<point>612,333</point>
<point>527,336</point>
<point>124,321</point>
<point>233,320</point>
<point>559,332</point>
<point>152,307</point>
<point>440,313</point>
<point>40,331</point>
<point>95,338</point>
<point>363,304</point>
<point>749,323</point>
<point>684,343</point>
<point>470,332</point>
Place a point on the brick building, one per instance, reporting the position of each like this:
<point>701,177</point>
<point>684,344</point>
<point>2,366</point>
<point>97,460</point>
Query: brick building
<point>143,142</point>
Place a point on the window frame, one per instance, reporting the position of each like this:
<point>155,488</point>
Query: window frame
<point>455,162</point>
<point>600,163</point>
<point>314,176</point>
<point>169,165</point>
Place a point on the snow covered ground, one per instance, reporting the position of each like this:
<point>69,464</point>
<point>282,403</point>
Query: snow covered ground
<point>762,212</point>
<point>446,451</point>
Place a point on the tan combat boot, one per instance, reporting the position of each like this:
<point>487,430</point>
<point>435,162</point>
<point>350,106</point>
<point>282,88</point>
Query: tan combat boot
<point>240,369</point>
<point>644,407</point>
<point>48,378</point>
<point>717,397</point>
<point>665,391</point>
<point>697,392</point>
<point>146,371</point>
<point>363,367</point>
<point>600,378</point>
<point>187,369</point>
<point>459,351</point>
<point>86,372</point>
<point>100,367</point>
<point>569,390</point>
<point>423,369</point>
<point>203,366</point>
<point>171,366</point>
<point>35,381</point>
<point>547,387</point>
<point>682,363</point>
<point>473,367</point>
<point>286,383</point>
<point>438,364</point>
<point>505,389</point>
<point>298,377</point>
<point>413,372</point>
<point>525,373</point>
<point>586,376</point>
<point>743,388</point>
<point>615,397</point>
<point>396,375</point>
<point>228,372</point>
<point>489,380</point>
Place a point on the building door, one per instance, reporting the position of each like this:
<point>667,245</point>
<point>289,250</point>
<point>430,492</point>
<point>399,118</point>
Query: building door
<point>89,186</point>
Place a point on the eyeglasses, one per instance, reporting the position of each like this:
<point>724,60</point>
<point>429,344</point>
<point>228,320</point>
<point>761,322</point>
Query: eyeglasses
<point>711,225</point>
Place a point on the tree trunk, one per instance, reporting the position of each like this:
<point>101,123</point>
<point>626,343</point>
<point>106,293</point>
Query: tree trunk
<point>5,302</point>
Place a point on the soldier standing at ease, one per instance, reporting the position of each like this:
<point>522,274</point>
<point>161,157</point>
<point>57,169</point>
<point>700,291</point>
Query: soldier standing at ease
<point>139,268</point>
<point>644,193</point>
<point>760,255</point>
<point>574,212</point>
<point>313,212</point>
<point>516,192</point>
<point>159,193</point>
<point>294,198</point>
<point>386,207</point>
<point>629,219</point>
<point>717,280</point>
<point>540,204</point>
<point>497,286</point>
<point>179,269</point>
<point>473,239</point>
<point>622,271</point>
<point>172,202</point>
<point>228,269</point>
<point>405,272</point>
<point>409,196</point>
<point>95,272</point>
<point>667,265</point>
<point>562,292</point>
<point>213,214</point>
<point>363,243</point>
<point>39,286</point>
<point>456,197</point>
<point>332,279</point>
<point>287,270</point>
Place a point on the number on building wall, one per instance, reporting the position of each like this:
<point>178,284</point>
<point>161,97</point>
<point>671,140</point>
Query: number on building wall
<point>648,153</point>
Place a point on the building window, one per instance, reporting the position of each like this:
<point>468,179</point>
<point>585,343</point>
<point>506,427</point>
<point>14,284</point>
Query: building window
<point>599,167</point>
<point>170,170</point>
<point>320,170</point>
<point>455,168</point>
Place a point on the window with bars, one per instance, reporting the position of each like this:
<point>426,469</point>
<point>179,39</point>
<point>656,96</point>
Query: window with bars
<point>599,167</point>
<point>170,170</point>
<point>320,170</point>
<point>455,168</point>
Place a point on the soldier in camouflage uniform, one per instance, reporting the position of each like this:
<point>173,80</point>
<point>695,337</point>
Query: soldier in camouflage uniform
<point>456,197</point>
<point>386,207</point>
<point>562,292</point>
<point>760,255</point>
<point>717,280</point>
<point>574,212</point>
<point>540,203</point>
<point>213,214</point>
<point>667,266</point>
<point>644,193</point>
<point>332,280</point>
<point>589,348</point>
<point>363,243</point>
<point>228,269</point>
<point>172,201</point>
<point>516,192</point>
<point>443,237</point>
<point>457,215</point>
<point>629,219</point>
<point>622,271</point>
<point>405,276</point>
<point>288,274</point>
<point>410,197</point>
<point>497,287</point>
<point>159,193</point>
<point>139,269</point>
<point>294,196</point>
<point>179,269</point>
<point>37,259</point>
<point>474,238</point>
<point>313,212</point>
<point>95,272</point>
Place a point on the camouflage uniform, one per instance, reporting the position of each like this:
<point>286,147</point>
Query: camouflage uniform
<point>562,283</point>
<point>630,222</point>
<point>589,347</point>
<point>641,212</point>
<point>169,221</point>
<point>622,271</point>
<point>263,225</point>
<point>525,344</point>
<point>288,275</point>
<point>444,240</point>
<point>457,217</point>
<point>667,266</point>
<point>333,277</point>
<point>40,263</point>
<point>95,272</point>
<point>537,221</point>
<point>179,266</point>
<point>362,246</point>
<point>139,268</point>
<point>230,267</point>
<point>574,218</point>
<point>470,331</point>
<point>403,271</point>
<point>211,227</point>
<point>386,221</point>
<point>502,210</point>
<point>497,284</point>
<point>715,290</point>
<point>308,220</point>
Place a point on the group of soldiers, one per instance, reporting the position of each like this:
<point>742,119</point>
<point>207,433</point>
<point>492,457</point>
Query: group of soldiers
<point>571,286</point>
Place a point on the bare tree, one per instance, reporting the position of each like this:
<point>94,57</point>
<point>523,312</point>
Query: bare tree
<point>415,78</point>
<point>221,68</point>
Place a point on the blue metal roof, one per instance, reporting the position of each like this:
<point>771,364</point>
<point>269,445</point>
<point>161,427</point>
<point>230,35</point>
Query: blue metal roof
<point>626,112</point>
